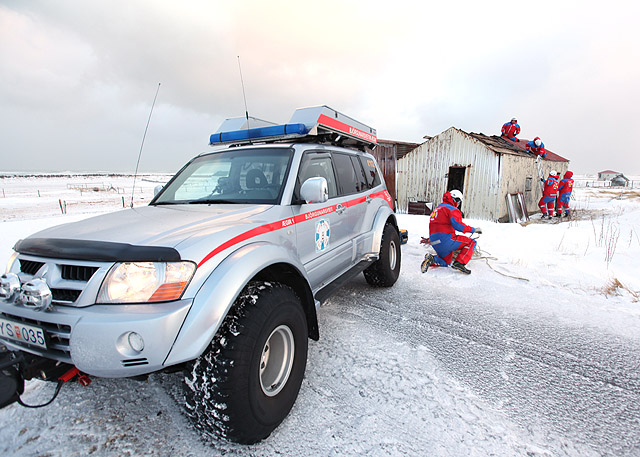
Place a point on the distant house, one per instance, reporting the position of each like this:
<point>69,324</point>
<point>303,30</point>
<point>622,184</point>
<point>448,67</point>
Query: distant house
<point>607,175</point>
<point>620,181</point>
<point>486,169</point>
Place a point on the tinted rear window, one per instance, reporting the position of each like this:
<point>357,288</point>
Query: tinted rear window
<point>369,165</point>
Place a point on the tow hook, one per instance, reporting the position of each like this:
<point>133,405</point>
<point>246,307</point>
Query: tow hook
<point>83,379</point>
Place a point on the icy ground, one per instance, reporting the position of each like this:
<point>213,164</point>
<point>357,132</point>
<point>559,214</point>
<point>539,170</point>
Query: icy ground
<point>536,353</point>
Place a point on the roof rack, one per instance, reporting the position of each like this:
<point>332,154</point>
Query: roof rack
<point>318,124</point>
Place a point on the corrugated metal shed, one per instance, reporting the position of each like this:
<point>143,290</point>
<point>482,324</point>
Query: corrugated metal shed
<point>485,168</point>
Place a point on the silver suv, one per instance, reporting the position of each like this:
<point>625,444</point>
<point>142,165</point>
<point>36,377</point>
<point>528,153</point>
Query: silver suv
<point>220,276</point>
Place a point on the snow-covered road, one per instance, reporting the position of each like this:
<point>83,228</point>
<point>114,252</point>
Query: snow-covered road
<point>554,376</point>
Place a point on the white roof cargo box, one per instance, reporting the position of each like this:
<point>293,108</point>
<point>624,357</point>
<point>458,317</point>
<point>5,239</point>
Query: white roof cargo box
<point>316,123</point>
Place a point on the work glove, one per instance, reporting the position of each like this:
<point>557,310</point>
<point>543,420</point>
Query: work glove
<point>424,240</point>
<point>477,230</point>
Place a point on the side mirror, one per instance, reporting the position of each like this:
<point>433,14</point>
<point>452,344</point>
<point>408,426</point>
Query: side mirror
<point>315,190</point>
<point>157,189</point>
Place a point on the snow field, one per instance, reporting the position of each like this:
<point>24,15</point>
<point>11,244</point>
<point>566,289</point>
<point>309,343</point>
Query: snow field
<point>396,372</point>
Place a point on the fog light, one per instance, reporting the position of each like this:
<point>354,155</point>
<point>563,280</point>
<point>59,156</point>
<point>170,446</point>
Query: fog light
<point>36,294</point>
<point>136,342</point>
<point>9,286</point>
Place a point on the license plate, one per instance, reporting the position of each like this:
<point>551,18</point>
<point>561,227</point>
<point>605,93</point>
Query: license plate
<point>23,333</point>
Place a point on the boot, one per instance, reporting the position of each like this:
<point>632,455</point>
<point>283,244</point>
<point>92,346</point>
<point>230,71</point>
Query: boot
<point>427,262</point>
<point>460,267</point>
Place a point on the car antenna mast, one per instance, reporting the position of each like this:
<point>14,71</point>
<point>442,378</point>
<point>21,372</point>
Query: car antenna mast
<point>135,175</point>
<point>246,110</point>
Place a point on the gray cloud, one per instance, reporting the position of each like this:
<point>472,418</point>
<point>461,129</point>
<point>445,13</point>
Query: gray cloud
<point>77,79</point>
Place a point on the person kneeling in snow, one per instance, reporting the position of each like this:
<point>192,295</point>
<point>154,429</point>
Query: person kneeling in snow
<point>566,187</point>
<point>549,194</point>
<point>445,220</point>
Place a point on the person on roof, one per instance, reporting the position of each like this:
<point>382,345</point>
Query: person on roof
<point>445,220</point>
<point>537,147</point>
<point>565,188</point>
<point>511,129</point>
<point>549,194</point>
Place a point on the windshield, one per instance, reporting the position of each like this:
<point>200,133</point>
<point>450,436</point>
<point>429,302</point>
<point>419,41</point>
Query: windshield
<point>231,176</point>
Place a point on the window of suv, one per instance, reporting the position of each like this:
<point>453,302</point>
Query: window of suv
<point>316,164</point>
<point>347,179</point>
<point>360,176</point>
<point>369,165</point>
<point>232,176</point>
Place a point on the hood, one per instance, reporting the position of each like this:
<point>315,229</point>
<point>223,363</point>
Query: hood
<point>157,225</point>
<point>568,175</point>
<point>447,198</point>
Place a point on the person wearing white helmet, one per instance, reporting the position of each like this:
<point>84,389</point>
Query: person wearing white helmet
<point>511,129</point>
<point>549,194</point>
<point>537,147</point>
<point>445,220</point>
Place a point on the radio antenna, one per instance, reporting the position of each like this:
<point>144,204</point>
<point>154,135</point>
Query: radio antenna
<point>246,110</point>
<point>142,145</point>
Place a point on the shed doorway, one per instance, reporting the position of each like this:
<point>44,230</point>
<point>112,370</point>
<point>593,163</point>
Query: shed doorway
<point>456,178</point>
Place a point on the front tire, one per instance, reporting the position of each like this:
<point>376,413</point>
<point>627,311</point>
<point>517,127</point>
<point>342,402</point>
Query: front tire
<point>247,381</point>
<point>385,271</point>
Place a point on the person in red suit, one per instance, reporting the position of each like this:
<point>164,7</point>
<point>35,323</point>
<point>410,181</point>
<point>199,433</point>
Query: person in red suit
<point>445,220</point>
<point>537,147</point>
<point>564,190</point>
<point>511,129</point>
<point>549,194</point>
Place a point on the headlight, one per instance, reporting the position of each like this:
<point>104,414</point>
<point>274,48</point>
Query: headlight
<point>140,282</point>
<point>11,262</point>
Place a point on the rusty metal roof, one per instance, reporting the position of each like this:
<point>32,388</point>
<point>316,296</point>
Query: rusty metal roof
<point>402,147</point>
<point>502,145</point>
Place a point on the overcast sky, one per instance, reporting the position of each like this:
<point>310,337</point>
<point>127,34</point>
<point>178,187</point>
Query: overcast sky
<point>77,78</point>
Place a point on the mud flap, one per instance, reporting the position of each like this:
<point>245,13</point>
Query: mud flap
<point>404,236</point>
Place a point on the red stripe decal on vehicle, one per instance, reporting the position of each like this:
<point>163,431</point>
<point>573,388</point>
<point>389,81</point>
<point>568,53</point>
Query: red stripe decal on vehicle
<point>342,127</point>
<point>262,229</point>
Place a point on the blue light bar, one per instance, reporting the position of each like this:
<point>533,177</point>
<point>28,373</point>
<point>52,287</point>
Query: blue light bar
<point>258,133</point>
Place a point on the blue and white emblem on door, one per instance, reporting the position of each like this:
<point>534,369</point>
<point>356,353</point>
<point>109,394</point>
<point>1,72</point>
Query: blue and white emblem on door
<point>323,233</point>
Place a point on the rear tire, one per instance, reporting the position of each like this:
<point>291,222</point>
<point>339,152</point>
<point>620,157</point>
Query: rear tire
<point>244,385</point>
<point>385,271</point>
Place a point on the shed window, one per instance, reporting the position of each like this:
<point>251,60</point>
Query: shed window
<point>527,185</point>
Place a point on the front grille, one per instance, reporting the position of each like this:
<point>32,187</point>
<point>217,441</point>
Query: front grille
<point>65,295</point>
<point>30,267</point>
<point>77,273</point>
<point>57,336</point>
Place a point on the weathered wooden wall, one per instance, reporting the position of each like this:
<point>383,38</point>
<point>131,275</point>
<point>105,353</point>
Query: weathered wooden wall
<point>422,174</point>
